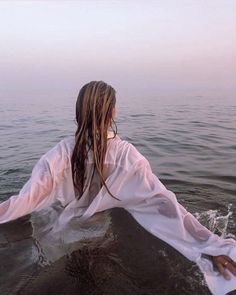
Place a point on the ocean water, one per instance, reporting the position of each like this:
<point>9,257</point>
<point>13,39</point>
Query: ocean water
<point>189,140</point>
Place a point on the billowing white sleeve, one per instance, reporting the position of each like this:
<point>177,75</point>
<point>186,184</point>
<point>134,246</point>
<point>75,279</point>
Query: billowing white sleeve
<point>34,194</point>
<point>156,208</point>
<point>39,191</point>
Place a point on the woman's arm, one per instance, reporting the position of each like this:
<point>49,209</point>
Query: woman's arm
<point>38,192</point>
<point>32,196</point>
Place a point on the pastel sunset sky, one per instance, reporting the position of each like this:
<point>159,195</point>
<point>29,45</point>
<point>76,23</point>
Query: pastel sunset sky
<point>51,48</point>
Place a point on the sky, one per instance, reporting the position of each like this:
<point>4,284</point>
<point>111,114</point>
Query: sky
<point>146,48</point>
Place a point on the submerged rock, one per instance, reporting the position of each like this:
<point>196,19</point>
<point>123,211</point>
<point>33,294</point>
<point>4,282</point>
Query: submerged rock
<point>126,260</point>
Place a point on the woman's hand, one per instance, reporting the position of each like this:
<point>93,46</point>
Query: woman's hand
<point>224,264</point>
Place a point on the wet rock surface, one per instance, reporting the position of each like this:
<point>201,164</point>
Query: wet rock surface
<point>132,262</point>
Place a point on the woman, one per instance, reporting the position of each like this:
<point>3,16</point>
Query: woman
<point>96,170</point>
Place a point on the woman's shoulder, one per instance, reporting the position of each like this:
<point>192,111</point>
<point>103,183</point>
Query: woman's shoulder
<point>61,151</point>
<point>124,153</point>
<point>68,143</point>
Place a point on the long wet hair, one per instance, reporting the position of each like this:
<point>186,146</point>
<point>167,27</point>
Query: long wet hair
<point>94,110</point>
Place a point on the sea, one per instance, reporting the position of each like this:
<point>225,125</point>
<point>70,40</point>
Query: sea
<point>189,140</point>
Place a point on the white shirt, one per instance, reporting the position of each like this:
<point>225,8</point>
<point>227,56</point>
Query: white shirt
<point>129,178</point>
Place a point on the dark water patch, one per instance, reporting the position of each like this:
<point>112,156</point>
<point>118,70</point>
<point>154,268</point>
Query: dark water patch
<point>142,115</point>
<point>166,174</point>
<point>12,171</point>
<point>231,147</point>
<point>170,164</point>
<point>104,268</point>
<point>5,127</point>
<point>182,172</point>
<point>14,146</point>
<point>195,122</point>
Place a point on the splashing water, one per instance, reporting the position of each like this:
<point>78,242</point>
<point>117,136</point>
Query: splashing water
<point>215,222</point>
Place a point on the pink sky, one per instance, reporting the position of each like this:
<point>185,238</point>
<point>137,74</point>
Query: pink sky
<point>51,48</point>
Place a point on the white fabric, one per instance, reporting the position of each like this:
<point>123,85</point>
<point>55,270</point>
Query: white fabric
<point>130,178</point>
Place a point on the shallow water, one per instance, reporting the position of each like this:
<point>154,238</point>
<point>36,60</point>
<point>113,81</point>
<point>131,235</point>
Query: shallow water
<point>189,141</point>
